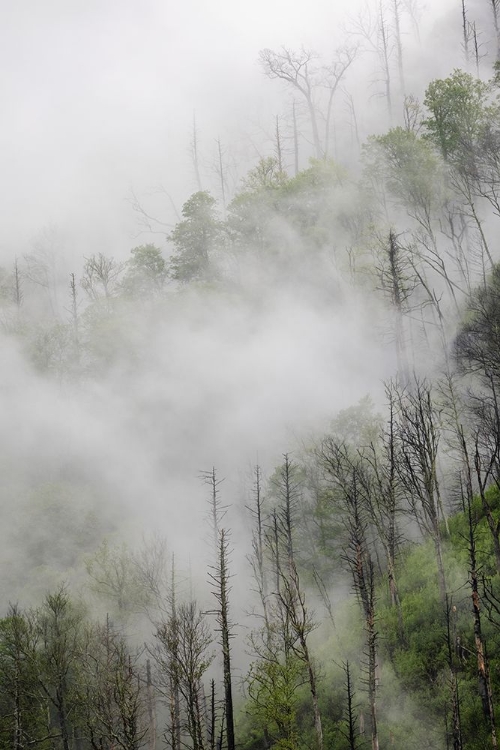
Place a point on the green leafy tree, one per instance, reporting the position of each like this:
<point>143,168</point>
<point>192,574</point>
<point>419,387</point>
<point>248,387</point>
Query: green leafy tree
<point>463,125</point>
<point>409,169</point>
<point>460,110</point>
<point>146,272</point>
<point>195,240</point>
<point>309,201</point>
<point>253,211</point>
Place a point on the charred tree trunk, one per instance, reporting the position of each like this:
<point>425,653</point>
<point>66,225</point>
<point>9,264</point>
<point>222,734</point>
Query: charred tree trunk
<point>220,580</point>
<point>351,718</point>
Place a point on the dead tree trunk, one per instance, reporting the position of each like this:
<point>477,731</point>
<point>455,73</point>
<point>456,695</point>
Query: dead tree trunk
<point>220,581</point>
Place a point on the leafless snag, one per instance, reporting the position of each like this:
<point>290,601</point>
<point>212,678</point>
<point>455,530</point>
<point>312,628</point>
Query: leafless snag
<point>221,590</point>
<point>465,33</point>
<point>182,658</point>
<point>351,733</point>
<point>418,434</point>
<point>374,30</point>
<point>495,9</point>
<point>291,613</point>
<point>399,44</point>
<point>18,286</point>
<point>100,276</point>
<point>217,510</point>
<point>257,558</point>
<point>304,72</point>
<point>195,156</point>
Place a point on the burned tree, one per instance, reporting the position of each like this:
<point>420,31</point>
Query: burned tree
<point>219,579</point>
<point>397,282</point>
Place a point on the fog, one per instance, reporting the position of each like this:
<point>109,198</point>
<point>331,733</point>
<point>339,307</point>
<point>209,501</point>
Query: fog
<point>98,101</point>
<point>99,98</point>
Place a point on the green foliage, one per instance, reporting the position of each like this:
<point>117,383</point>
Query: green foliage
<point>65,681</point>
<point>312,200</point>
<point>460,111</point>
<point>265,176</point>
<point>146,272</point>
<point>115,578</point>
<point>6,288</point>
<point>477,345</point>
<point>56,524</point>
<point>274,210</point>
<point>195,239</point>
<point>22,706</point>
<point>51,349</point>
<point>253,211</point>
<point>409,168</point>
<point>358,425</point>
<point>272,689</point>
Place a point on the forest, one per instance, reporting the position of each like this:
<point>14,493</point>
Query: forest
<point>251,466</point>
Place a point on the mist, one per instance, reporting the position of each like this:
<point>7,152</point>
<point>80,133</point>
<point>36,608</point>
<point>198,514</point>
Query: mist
<point>116,400</point>
<point>101,101</point>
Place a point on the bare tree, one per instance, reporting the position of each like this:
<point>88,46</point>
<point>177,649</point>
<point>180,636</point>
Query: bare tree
<point>396,5</point>
<point>495,9</point>
<point>216,509</point>
<point>42,264</point>
<point>182,658</point>
<point>350,734</point>
<point>397,282</point>
<point>414,9</point>
<point>278,148</point>
<point>373,29</point>
<point>418,434</point>
<point>282,649</point>
<point>221,589</point>
<point>345,472</point>
<point>220,171</point>
<point>18,286</point>
<point>194,151</point>
<point>465,33</point>
<point>74,315</point>
<point>257,557</point>
<point>100,277</point>
<point>113,690</point>
<point>317,83</point>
